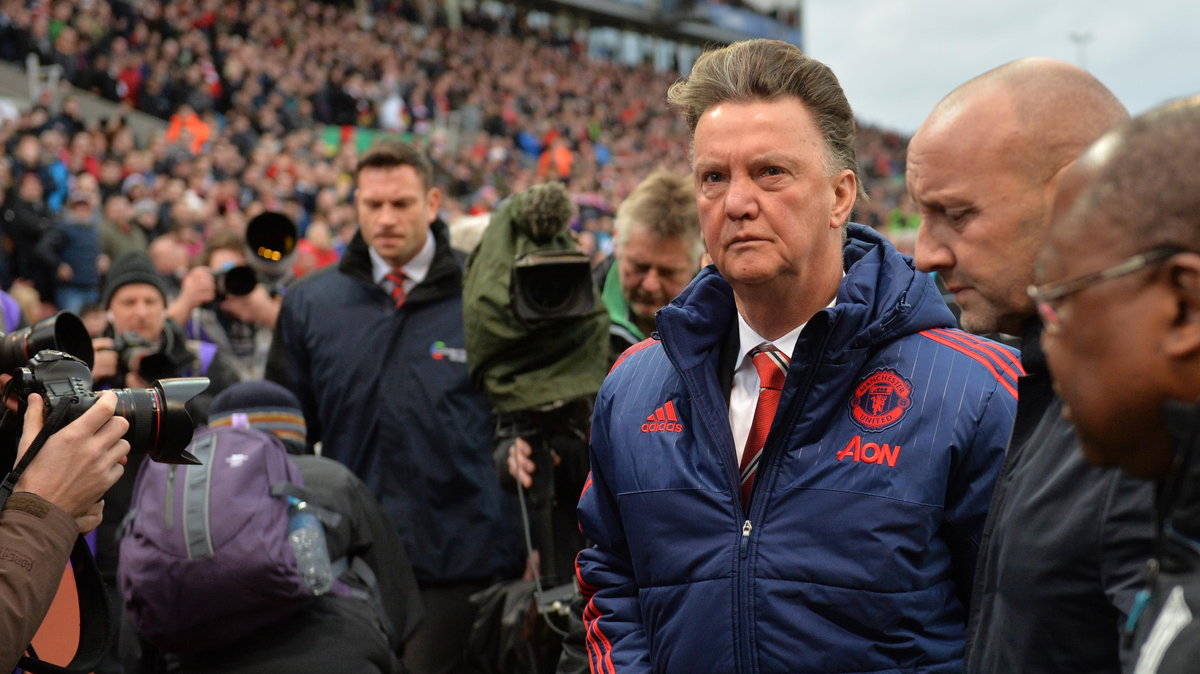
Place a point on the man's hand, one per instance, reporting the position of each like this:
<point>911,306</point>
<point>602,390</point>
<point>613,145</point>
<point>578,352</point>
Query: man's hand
<point>105,359</point>
<point>521,465</point>
<point>195,290</point>
<point>79,463</point>
<point>258,307</point>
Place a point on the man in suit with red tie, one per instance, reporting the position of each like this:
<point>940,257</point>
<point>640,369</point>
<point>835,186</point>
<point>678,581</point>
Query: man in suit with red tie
<point>374,349</point>
<point>815,503</point>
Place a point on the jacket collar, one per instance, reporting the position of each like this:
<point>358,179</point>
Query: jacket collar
<point>445,272</point>
<point>882,297</point>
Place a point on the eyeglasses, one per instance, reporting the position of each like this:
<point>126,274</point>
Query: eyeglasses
<point>1046,297</point>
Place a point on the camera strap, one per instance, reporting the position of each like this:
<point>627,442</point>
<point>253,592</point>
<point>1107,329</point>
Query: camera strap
<point>95,613</point>
<point>53,424</point>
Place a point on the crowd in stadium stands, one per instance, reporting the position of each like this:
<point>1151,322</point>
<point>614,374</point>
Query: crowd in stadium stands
<point>265,105</point>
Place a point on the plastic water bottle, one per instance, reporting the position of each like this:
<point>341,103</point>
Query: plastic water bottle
<point>307,537</point>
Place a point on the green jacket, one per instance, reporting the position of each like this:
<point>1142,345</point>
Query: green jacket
<point>525,366</point>
<point>623,328</point>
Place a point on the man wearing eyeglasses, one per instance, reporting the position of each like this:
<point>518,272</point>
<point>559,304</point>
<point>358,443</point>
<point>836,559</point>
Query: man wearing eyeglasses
<point>1120,294</point>
<point>1065,543</point>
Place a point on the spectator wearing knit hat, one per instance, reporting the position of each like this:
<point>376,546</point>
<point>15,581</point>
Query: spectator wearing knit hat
<point>139,336</point>
<point>135,298</point>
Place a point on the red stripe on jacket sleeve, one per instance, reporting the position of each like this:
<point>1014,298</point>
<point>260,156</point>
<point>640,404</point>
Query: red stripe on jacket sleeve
<point>598,645</point>
<point>980,358</point>
<point>632,350</point>
<point>1002,356</point>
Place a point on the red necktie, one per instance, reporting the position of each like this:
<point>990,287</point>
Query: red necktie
<point>396,276</point>
<point>772,367</point>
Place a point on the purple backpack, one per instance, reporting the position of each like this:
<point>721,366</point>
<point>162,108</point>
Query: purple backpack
<point>205,557</point>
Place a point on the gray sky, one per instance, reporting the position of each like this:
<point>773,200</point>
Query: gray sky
<point>897,58</point>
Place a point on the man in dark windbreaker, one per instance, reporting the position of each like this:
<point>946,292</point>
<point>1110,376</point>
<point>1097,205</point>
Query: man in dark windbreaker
<point>1065,543</point>
<point>375,352</point>
<point>1118,286</point>
<point>793,475</point>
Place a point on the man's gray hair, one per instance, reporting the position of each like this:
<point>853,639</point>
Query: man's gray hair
<point>664,204</point>
<point>768,70</point>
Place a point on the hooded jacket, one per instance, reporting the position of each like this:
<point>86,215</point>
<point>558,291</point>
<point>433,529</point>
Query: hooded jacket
<point>858,548</point>
<point>386,392</point>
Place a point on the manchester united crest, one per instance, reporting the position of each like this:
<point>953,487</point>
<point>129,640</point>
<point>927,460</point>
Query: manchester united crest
<point>881,399</point>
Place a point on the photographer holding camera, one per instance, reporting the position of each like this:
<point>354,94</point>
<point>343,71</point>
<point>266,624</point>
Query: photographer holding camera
<point>221,301</point>
<point>142,345</point>
<point>55,499</point>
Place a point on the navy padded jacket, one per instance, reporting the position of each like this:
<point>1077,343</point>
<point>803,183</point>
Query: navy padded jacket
<point>387,393</point>
<point>859,547</point>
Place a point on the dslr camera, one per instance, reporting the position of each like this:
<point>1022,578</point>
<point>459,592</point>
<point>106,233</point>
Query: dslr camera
<point>159,424</point>
<point>53,358</point>
<point>135,354</point>
<point>239,281</point>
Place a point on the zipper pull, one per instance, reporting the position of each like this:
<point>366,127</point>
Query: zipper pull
<point>169,505</point>
<point>746,529</point>
<point>1140,601</point>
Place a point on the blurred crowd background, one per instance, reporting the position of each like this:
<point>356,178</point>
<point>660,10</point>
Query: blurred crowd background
<point>268,103</point>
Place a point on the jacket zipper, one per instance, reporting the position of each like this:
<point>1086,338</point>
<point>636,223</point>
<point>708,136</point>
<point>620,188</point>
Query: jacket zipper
<point>743,589</point>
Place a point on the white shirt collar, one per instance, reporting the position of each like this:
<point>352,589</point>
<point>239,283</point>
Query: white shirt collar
<point>415,270</point>
<point>749,339</point>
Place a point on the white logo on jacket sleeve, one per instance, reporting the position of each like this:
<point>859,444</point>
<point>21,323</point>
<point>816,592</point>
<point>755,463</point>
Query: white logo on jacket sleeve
<point>1174,617</point>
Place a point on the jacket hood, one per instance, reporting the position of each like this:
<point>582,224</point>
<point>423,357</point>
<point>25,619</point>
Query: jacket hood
<point>881,298</point>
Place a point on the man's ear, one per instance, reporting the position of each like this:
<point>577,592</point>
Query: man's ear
<point>433,200</point>
<point>1183,275</point>
<point>845,192</point>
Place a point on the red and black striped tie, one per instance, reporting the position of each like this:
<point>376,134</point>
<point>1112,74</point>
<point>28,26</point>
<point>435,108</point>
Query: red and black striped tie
<point>772,366</point>
<point>396,277</point>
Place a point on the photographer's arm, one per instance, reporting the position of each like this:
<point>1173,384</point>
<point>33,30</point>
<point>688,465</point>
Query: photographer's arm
<point>197,289</point>
<point>54,500</point>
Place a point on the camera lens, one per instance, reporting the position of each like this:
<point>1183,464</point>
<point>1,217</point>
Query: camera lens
<point>271,239</point>
<point>159,423</point>
<point>240,281</point>
<point>62,332</point>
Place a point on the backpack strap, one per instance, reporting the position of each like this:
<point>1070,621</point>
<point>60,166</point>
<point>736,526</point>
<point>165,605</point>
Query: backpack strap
<point>197,529</point>
<point>374,597</point>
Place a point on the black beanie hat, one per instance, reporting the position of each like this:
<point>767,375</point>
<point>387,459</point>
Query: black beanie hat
<point>259,404</point>
<point>132,268</point>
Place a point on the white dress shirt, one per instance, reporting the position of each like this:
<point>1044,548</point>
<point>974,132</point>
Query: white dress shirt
<point>743,397</point>
<point>414,272</point>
